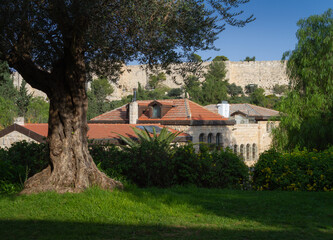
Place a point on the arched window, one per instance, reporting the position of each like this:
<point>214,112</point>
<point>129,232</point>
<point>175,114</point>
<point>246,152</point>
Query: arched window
<point>248,149</point>
<point>241,150</point>
<point>218,139</point>
<point>156,111</point>
<point>254,151</point>
<point>210,138</point>
<point>201,137</point>
<point>235,148</point>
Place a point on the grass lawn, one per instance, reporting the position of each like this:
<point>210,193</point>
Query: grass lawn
<point>176,213</point>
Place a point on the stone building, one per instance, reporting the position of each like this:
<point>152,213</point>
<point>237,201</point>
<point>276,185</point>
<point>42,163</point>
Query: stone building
<point>244,128</point>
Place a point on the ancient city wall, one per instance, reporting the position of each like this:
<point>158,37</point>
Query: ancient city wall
<point>263,73</point>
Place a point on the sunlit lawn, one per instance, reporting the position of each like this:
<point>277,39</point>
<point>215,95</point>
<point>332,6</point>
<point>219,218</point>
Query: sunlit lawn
<point>177,213</point>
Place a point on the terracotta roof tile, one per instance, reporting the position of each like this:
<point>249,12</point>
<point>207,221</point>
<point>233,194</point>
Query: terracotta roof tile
<point>179,109</point>
<point>99,131</point>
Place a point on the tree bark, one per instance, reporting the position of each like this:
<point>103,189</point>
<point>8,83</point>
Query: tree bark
<point>71,168</point>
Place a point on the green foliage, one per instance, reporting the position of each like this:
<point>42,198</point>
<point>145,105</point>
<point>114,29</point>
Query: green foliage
<point>97,97</point>
<point>308,108</point>
<point>295,171</point>
<point>21,161</point>
<point>195,58</point>
<point>220,59</point>
<point>164,137</point>
<point>7,89</point>
<point>250,88</point>
<point>211,169</point>
<point>280,89</point>
<point>250,59</point>
<point>154,162</point>
<point>156,80</point>
<point>234,90</point>
<point>192,86</point>
<point>23,99</point>
<point>175,93</point>
<point>214,88</point>
<point>38,110</point>
<point>257,97</point>
<point>8,111</point>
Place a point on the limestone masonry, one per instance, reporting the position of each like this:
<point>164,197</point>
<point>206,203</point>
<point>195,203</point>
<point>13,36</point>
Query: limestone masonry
<point>263,73</point>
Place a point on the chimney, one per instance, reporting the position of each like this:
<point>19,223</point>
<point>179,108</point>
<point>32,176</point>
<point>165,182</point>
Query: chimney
<point>224,109</point>
<point>19,121</point>
<point>133,109</point>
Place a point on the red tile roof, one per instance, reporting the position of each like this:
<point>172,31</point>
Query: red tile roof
<point>180,110</point>
<point>96,131</point>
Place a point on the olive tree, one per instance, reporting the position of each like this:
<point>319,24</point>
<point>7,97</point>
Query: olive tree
<point>56,44</point>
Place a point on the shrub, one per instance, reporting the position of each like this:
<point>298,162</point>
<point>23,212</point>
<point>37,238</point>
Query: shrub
<point>213,169</point>
<point>222,169</point>
<point>299,170</point>
<point>150,165</point>
<point>186,165</point>
<point>22,160</point>
<point>111,160</point>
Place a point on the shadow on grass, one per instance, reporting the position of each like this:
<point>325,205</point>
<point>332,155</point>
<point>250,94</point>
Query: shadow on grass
<point>34,229</point>
<point>305,211</point>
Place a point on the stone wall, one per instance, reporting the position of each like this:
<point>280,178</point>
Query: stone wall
<point>251,139</point>
<point>264,73</point>
<point>12,137</point>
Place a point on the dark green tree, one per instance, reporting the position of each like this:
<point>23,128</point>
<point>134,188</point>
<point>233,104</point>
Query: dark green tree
<point>308,109</point>
<point>97,97</point>
<point>280,89</point>
<point>8,112</point>
<point>250,59</point>
<point>175,93</point>
<point>7,89</point>
<point>214,88</point>
<point>192,87</point>
<point>156,80</point>
<point>23,99</point>
<point>257,97</point>
<point>250,88</point>
<point>234,90</point>
<point>37,110</point>
<point>54,45</point>
<point>220,59</point>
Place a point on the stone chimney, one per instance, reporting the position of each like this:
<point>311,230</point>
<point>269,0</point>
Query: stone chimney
<point>19,121</point>
<point>224,109</point>
<point>133,110</point>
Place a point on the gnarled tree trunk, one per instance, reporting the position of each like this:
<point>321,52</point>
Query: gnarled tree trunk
<point>71,168</point>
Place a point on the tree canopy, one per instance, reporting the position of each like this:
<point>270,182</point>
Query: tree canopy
<point>308,107</point>
<point>55,44</point>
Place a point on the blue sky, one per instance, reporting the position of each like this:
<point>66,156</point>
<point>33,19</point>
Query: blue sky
<point>271,34</point>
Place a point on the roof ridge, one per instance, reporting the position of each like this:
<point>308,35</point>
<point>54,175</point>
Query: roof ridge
<point>217,114</point>
<point>187,109</point>
<point>108,112</point>
<point>263,107</point>
<point>248,105</point>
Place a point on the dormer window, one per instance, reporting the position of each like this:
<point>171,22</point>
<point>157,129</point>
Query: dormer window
<point>156,111</point>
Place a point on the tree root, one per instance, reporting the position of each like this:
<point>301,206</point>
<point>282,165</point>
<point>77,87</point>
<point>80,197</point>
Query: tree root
<point>47,180</point>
